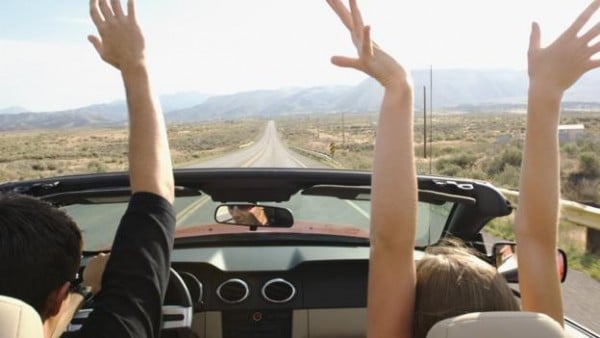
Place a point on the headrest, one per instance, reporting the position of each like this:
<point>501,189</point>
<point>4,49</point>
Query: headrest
<point>19,320</point>
<point>504,324</point>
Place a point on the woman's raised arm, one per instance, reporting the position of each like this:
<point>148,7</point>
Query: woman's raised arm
<point>391,291</point>
<point>552,70</point>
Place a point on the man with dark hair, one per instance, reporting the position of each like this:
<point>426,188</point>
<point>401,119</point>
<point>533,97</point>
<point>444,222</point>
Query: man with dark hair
<point>37,242</point>
<point>41,245</point>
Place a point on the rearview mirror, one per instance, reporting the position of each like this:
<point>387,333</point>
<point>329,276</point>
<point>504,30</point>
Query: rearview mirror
<point>254,216</point>
<point>504,255</point>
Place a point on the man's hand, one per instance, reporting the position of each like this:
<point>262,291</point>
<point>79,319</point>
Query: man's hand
<point>559,65</point>
<point>92,277</point>
<point>121,42</point>
<point>371,60</point>
<point>92,274</point>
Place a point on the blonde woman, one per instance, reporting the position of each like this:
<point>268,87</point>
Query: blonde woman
<point>405,299</point>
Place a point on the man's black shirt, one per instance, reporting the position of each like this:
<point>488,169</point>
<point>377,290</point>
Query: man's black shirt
<point>136,275</point>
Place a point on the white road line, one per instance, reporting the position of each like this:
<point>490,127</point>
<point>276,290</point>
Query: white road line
<point>302,165</point>
<point>357,208</point>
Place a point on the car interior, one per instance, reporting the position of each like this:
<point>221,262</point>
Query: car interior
<point>304,279</point>
<point>18,319</point>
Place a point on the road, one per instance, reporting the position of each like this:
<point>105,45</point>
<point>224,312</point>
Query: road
<point>268,151</point>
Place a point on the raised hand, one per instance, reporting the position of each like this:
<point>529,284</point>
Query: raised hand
<point>564,61</point>
<point>371,60</point>
<point>121,42</point>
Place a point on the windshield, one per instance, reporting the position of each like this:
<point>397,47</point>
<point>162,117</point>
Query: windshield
<point>313,215</point>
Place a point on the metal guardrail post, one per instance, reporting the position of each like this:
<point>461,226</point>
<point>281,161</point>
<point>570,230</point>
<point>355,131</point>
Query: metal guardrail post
<point>592,243</point>
<point>318,155</point>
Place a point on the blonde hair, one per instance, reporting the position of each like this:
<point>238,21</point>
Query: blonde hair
<point>452,280</point>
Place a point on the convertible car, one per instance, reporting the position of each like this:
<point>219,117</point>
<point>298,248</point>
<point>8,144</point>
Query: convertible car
<point>275,252</point>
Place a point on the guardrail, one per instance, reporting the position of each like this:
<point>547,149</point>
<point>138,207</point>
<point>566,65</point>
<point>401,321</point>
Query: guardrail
<point>575,213</point>
<point>317,155</point>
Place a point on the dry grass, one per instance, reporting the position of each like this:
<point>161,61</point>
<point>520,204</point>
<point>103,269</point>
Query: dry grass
<point>482,146</point>
<point>36,154</point>
<point>43,153</point>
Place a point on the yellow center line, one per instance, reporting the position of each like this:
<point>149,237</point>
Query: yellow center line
<point>255,157</point>
<point>190,209</point>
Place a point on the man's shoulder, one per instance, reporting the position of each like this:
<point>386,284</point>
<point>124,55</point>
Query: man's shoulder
<point>151,201</point>
<point>145,204</point>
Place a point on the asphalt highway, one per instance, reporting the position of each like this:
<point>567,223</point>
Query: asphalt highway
<point>268,151</point>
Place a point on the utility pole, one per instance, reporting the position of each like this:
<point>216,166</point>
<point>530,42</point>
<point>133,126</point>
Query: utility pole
<point>424,122</point>
<point>430,116</point>
<point>343,130</point>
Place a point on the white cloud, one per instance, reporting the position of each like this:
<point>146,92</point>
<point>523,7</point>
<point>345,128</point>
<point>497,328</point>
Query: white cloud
<point>53,76</point>
<point>226,46</point>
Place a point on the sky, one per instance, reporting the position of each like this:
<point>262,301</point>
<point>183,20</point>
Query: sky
<point>227,46</point>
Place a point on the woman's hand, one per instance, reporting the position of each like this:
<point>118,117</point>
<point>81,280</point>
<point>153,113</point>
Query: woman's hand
<point>558,66</point>
<point>371,60</point>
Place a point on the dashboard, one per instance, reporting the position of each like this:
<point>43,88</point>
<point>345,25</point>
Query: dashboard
<point>270,291</point>
<point>276,291</point>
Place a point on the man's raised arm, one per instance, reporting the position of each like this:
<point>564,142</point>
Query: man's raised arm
<point>136,276</point>
<point>122,45</point>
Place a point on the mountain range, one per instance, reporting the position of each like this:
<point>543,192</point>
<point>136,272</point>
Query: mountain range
<point>13,110</point>
<point>453,90</point>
